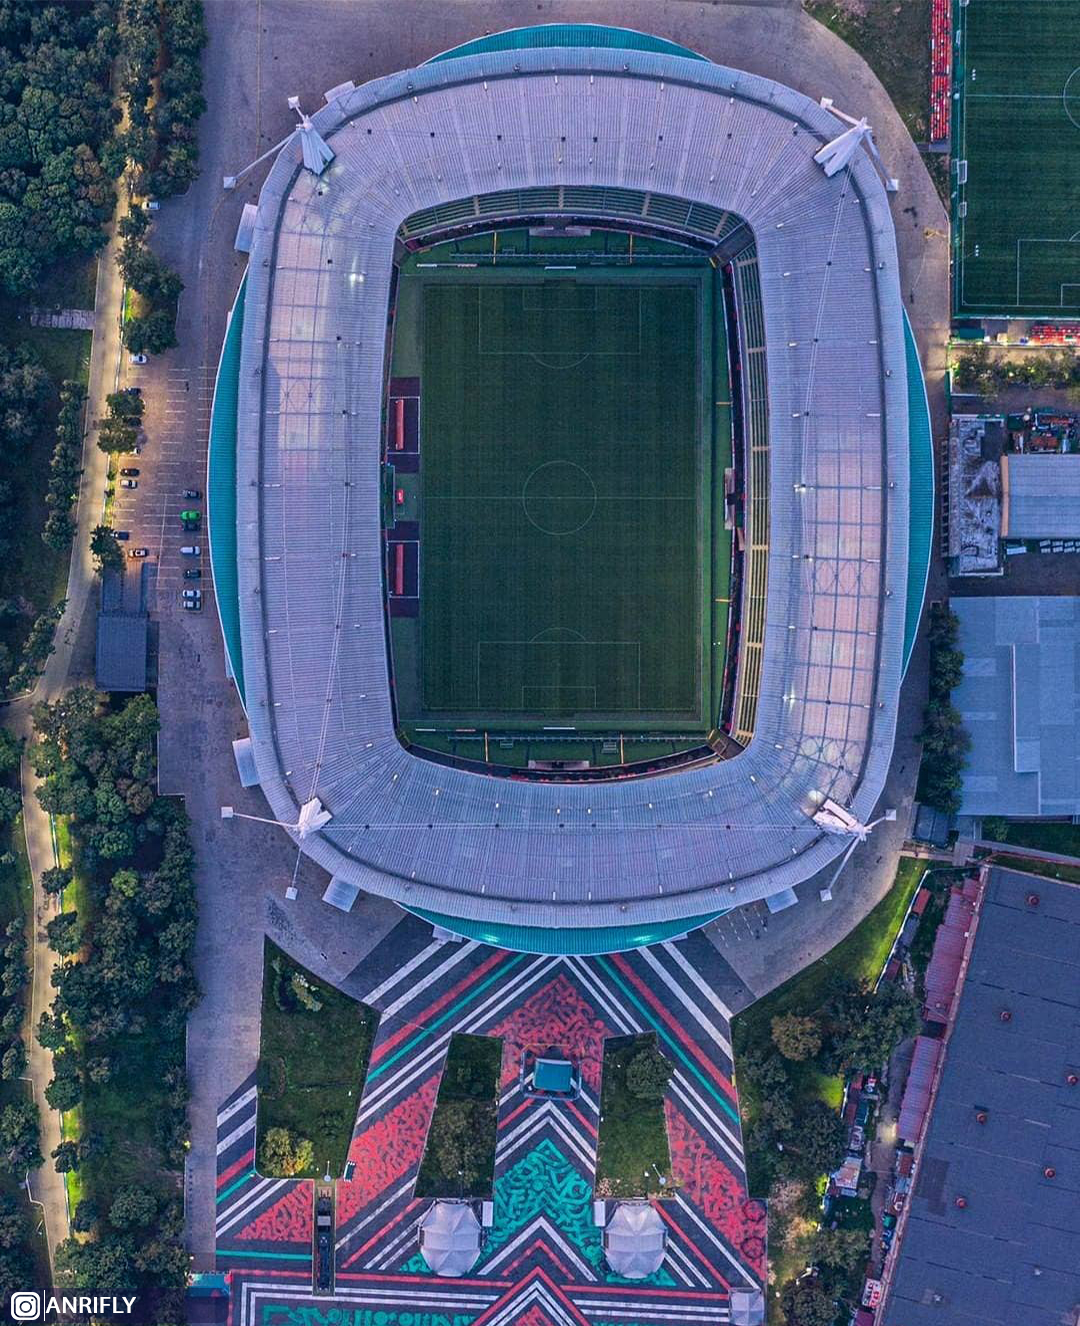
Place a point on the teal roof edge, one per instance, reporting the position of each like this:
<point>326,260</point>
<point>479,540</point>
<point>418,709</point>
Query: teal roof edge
<point>921,483</point>
<point>567,34</point>
<point>570,941</point>
<point>221,490</point>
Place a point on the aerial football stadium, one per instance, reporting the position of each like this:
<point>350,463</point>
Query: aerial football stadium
<point>570,489</point>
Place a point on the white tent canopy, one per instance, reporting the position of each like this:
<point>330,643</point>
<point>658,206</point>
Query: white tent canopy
<point>634,1240</point>
<point>450,1237</point>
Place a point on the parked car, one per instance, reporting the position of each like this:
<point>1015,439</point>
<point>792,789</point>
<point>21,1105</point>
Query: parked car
<point>129,483</point>
<point>193,574</point>
<point>132,391</point>
<point>191,515</point>
<point>129,472</point>
<point>192,492</point>
<point>152,205</point>
<point>139,552</point>
<point>122,534</point>
<point>193,605</point>
<point>193,593</point>
<point>192,550</point>
<point>136,359</point>
<point>136,450</point>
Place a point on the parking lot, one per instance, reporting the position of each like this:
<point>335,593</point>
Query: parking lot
<point>173,459</point>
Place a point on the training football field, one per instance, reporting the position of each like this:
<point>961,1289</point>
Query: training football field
<point>562,519</point>
<point>1017,128</point>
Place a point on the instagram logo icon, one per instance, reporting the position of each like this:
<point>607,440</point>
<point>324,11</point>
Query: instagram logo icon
<point>26,1305</point>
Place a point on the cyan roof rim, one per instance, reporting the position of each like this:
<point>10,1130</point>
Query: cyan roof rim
<point>547,35</point>
<point>566,941</point>
<point>921,498</point>
<point>221,490</point>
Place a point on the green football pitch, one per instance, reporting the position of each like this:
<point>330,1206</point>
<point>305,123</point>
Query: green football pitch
<point>1017,127</point>
<point>563,516</point>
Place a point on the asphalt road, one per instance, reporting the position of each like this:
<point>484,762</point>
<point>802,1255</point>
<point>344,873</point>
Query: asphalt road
<point>259,53</point>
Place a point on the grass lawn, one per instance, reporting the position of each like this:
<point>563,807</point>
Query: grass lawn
<point>1032,866</point>
<point>893,37</point>
<point>861,955</point>
<point>1063,838</point>
<point>311,1063</point>
<point>459,1158</point>
<point>70,284</point>
<point>633,1134</point>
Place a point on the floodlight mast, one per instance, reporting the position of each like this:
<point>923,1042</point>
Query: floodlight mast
<point>313,147</point>
<point>838,153</point>
<point>313,817</point>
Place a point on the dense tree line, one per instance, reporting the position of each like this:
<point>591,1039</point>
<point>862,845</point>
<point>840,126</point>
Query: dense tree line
<point>161,84</point>
<point>19,1119</point>
<point>153,328</point>
<point>944,741</point>
<point>126,987</point>
<point>793,1142</point>
<point>58,150</point>
<point>65,469</point>
<point>24,398</point>
<point>988,374</point>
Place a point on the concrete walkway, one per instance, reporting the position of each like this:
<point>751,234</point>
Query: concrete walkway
<point>1033,853</point>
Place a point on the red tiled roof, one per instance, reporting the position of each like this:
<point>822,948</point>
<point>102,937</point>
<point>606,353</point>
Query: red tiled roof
<point>917,1091</point>
<point>921,899</point>
<point>944,966</point>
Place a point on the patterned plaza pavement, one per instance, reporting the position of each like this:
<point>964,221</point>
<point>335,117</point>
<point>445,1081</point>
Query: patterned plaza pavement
<point>542,1262</point>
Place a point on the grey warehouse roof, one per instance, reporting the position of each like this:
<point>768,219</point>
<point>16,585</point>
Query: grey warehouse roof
<point>1011,1256</point>
<point>120,660</point>
<point>1019,699</point>
<point>308,450</point>
<point>1041,496</point>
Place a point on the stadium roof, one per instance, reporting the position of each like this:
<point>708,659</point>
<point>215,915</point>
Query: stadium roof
<point>1019,699</point>
<point>309,593</point>
<point>1011,1255</point>
<point>1040,496</point>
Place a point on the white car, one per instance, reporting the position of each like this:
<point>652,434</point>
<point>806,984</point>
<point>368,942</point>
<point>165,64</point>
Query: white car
<point>129,483</point>
<point>137,359</point>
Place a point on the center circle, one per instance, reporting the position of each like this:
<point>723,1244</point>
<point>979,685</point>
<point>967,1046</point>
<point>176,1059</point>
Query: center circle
<point>1070,97</point>
<point>559,497</point>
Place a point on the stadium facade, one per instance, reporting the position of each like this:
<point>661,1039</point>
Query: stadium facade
<point>591,124</point>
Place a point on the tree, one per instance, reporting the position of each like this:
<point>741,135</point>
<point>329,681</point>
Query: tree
<point>19,1137</point>
<point>806,1302</point>
<point>648,1073</point>
<point>55,880</point>
<point>66,1156</point>
<point>10,751</point>
<point>13,1064</point>
<point>890,1017</point>
<point>85,1216</point>
<point>796,1037</point>
<point>106,549</point>
<point>282,1154</point>
<point>10,804</point>
<point>65,1090</point>
<point>816,1145</point>
<point>132,1208</point>
<point>152,334</point>
<point>65,933</point>
<point>845,1250</point>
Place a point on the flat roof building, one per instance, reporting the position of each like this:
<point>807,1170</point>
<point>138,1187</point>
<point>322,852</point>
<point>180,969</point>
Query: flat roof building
<point>992,1231</point>
<point>1040,496</point>
<point>1019,700</point>
<point>120,660</point>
